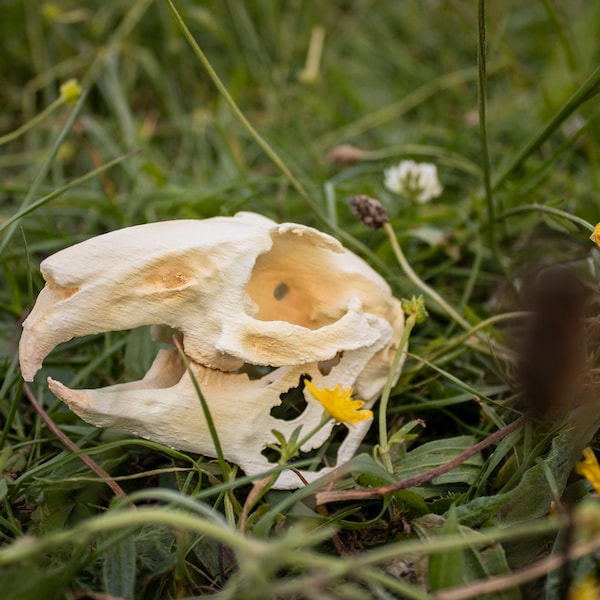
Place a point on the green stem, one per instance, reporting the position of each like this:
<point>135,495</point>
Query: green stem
<point>588,89</point>
<point>311,433</point>
<point>116,520</point>
<point>384,446</point>
<point>13,135</point>
<point>547,209</point>
<point>45,199</point>
<point>428,291</point>
<point>40,176</point>
<point>288,452</point>
<point>225,470</point>
<point>266,147</point>
<point>483,139</point>
<point>12,411</point>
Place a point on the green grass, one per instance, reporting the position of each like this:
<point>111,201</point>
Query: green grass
<point>208,116</point>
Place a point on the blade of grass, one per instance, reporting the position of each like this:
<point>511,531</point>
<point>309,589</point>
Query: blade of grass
<point>588,89</point>
<point>61,190</point>
<point>483,136</point>
<point>266,147</point>
<point>45,167</point>
<point>106,478</point>
<point>542,208</point>
<point>13,135</point>
<point>14,403</point>
<point>397,109</point>
<point>226,470</point>
<point>375,492</point>
<point>214,435</point>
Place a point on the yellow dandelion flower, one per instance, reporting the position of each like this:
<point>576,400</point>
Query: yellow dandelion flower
<point>339,404</point>
<point>595,237</point>
<point>587,589</point>
<point>589,468</point>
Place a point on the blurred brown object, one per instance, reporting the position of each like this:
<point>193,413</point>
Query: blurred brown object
<point>553,357</point>
<point>345,154</point>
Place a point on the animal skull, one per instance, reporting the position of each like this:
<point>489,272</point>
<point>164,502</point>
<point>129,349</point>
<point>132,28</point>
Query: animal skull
<point>238,291</point>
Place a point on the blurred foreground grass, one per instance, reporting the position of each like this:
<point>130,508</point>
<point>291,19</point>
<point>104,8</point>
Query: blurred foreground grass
<point>395,80</point>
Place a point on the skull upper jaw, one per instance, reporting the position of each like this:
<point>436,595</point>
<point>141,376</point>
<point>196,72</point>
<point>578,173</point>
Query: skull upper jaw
<point>238,291</point>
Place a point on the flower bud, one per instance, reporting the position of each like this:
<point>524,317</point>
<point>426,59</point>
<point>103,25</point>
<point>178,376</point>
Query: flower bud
<point>369,210</point>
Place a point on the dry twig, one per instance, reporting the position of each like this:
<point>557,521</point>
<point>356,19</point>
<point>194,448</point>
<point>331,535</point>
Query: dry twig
<point>65,441</point>
<point>375,492</point>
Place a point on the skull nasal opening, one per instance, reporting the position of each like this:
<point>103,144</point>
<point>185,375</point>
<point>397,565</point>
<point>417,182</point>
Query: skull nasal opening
<point>295,281</point>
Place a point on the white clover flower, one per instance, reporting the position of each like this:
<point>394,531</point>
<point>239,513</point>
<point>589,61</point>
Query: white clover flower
<point>417,181</point>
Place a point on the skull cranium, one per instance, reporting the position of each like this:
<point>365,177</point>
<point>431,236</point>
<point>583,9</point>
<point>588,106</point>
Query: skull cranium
<point>239,291</point>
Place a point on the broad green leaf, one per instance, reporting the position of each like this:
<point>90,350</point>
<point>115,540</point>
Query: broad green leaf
<point>371,474</point>
<point>428,456</point>
<point>447,569</point>
<point>119,569</point>
<point>532,497</point>
<point>486,562</point>
<point>463,567</point>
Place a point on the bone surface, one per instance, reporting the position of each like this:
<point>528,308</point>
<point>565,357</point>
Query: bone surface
<point>241,292</point>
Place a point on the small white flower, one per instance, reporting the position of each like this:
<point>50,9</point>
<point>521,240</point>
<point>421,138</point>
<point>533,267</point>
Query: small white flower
<point>417,181</point>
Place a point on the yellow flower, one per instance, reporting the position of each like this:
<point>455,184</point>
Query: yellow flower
<point>586,589</point>
<point>339,404</point>
<point>589,468</point>
<point>595,237</point>
<point>70,91</point>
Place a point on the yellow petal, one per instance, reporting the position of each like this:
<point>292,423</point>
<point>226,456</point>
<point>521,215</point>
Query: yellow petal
<point>338,403</point>
<point>589,468</point>
<point>595,237</point>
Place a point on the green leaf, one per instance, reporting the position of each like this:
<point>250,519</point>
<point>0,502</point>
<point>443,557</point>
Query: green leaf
<point>532,497</point>
<point>457,568</point>
<point>404,434</point>
<point>433,454</point>
<point>32,581</point>
<point>4,456</point>
<point>119,570</point>
<point>561,225</point>
<point>279,437</point>
<point>489,562</point>
<point>3,489</point>
<point>140,351</point>
<point>447,569</point>
<point>369,473</point>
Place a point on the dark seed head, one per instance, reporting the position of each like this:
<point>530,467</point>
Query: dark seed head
<point>370,211</point>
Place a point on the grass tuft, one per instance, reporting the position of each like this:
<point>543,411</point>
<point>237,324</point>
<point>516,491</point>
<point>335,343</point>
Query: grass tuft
<point>289,109</point>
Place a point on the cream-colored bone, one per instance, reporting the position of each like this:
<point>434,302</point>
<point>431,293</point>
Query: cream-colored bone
<point>240,290</point>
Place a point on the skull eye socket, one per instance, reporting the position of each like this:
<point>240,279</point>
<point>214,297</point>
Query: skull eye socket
<point>280,291</point>
<point>292,282</point>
